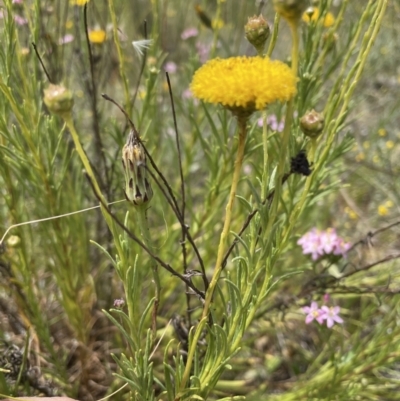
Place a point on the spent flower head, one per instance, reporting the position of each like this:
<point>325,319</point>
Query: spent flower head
<point>244,84</point>
<point>137,187</point>
<point>141,45</point>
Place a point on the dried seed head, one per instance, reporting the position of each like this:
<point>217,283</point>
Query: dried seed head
<point>137,187</point>
<point>257,31</point>
<point>312,124</point>
<point>58,99</point>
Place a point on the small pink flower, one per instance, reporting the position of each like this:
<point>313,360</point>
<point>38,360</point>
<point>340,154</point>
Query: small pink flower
<point>331,315</point>
<point>119,303</point>
<point>187,94</point>
<point>311,244</point>
<point>273,123</point>
<point>170,67</point>
<point>327,298</point>
<point>203,51</point>
<point>341,247</point>
<point>313,313</point>
<point>17,2</point>
<point>319,243</point>
<point>189,33</point>
<point>20,20</point>
<point>328,240</point>
<point>68,38</point>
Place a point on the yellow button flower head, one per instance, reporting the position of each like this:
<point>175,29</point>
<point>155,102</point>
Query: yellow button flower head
<point>79,2</point>
<point>244,84</point>
<point>97,36</point>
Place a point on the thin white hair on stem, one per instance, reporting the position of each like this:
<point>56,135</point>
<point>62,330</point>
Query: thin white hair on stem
<point>159,341</point>
<point>25,223</point>
<point>115,392</point>
<point>141,45</point>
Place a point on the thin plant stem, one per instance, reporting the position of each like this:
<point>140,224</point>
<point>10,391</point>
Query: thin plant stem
<point>216,29</point>
<point>92,89</point>
<point>178,147</point>
<point>286,132</point>
<point>274,36</point>
<point>128,103</point>
<point>228,215</point>
<point>222,244</point>
<point>144,228</point>
<point>264,187</point>
<point>82,154</point>
<point>106,210</point>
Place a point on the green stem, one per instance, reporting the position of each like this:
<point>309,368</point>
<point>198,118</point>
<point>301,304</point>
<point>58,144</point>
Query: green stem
<point>286,133</point>
<point>216,29</point>
<point>81,152</point>
<point>301,204</point>
<point>222,244</point>
<point>144,228</point>
<point>274,37</point>
<point>125,82</point>
<point>264,188</point>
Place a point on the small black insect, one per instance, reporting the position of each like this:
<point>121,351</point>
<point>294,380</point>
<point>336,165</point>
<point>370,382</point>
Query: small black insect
<point>299,164</point>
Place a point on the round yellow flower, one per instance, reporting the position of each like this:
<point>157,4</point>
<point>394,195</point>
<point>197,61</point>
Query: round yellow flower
<point>97,36</point>
<point>244,83</point>
<point>79,2</point>
<point>312,14</point>
<point>383,210</point>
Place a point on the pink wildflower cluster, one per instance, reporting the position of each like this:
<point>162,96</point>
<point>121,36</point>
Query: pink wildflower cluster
<point>318,243</point>
<point>189,33</point>
<point>273,123</point>
<point>330,314</point>
<point>170,67</point>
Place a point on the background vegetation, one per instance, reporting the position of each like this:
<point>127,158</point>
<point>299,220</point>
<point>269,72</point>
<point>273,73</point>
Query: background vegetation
<point>57,286</point>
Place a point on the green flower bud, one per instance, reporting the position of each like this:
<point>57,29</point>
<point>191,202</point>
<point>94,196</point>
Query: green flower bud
<point>312,124</point>
<point>257,31</point>
<point>137,187</point>
<point>14,241</point>
<point>58,99</point>
<point>291,10</point>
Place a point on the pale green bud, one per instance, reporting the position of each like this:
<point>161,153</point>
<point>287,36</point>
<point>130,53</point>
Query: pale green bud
<point>257,31</point>
<point>58,99</point>
<point>291,10</point>
<point>312,124</point>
